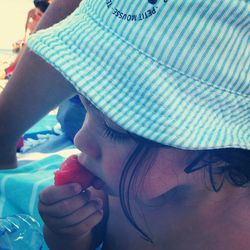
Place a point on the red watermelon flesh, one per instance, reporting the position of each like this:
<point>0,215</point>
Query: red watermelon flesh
<point>71,171</point>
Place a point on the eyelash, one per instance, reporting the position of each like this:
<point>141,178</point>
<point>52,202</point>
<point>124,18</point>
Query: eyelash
<point>114,135</point>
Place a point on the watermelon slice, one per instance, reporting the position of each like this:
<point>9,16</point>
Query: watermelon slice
<point>71,171</point>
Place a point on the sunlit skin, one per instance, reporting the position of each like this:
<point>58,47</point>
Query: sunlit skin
<point>33,18</point>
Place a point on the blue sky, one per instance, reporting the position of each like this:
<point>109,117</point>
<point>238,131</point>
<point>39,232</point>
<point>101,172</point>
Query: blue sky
<point>13,15</point>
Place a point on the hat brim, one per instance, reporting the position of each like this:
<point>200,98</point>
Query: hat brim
<point>138,92</point>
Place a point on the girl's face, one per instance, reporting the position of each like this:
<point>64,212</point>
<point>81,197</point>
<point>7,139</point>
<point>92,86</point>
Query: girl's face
<point>105,147</point>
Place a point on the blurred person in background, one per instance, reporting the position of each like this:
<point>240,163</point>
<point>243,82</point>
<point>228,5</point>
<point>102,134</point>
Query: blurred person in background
<point>33,18</point>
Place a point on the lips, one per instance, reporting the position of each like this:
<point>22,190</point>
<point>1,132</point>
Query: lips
<point>97,183</point>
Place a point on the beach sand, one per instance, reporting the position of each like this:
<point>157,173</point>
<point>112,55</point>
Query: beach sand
<point>6,58</point>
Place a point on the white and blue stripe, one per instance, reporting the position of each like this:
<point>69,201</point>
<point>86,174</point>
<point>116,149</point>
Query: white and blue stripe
<point>180,77</point>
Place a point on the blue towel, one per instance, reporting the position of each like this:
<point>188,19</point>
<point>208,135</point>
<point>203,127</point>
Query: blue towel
<point>20,187</point>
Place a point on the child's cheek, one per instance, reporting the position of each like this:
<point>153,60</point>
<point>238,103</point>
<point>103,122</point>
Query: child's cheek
<point>112,175</point>
<point>114,160</point>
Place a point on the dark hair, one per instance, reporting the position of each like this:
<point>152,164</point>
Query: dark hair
<point>229,163</point>
<point>140,160</point>
<point>41,4</point>
<point>234,165</point>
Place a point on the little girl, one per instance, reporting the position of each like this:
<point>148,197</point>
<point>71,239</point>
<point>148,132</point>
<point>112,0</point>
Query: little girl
<point>166,89</point>
<point>144,196</point>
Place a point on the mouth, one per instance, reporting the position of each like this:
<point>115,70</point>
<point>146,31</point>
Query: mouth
<point>98,184</point>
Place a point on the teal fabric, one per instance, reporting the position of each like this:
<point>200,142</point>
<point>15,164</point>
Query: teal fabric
<point>20,187</point>
<point>46,123</point>
<point>175,72</point>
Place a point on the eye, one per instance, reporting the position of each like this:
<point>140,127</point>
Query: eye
<point>115,135</point>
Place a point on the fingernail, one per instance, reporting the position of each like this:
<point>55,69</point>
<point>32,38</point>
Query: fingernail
<point>99,203</point>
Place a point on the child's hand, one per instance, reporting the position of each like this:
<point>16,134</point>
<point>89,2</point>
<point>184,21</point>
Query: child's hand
<point>69,212</point>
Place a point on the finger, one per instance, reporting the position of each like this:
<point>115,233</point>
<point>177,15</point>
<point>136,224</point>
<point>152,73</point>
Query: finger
<point>75,218</point>
<point>64,207</point>
<point>53,194</point>
<point>84,226</point>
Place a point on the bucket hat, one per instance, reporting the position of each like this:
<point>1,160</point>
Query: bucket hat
<point>175,72</point>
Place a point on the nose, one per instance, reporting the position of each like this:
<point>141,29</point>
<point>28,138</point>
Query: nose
<point>85,140</point>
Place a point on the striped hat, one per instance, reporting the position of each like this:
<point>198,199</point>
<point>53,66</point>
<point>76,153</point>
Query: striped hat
<point>173,71</point>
